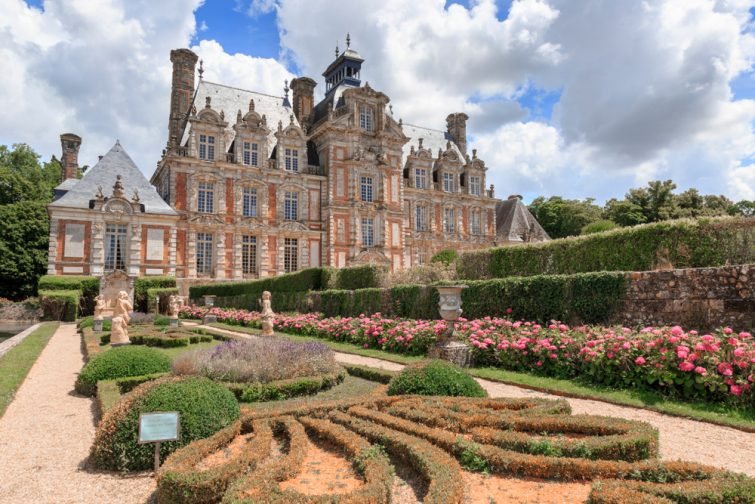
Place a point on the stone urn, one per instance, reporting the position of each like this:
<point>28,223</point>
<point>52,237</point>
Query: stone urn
<point>446,346</point>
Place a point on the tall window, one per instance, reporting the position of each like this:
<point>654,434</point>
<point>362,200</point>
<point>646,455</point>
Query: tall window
<point>448,220</point>
<point>368,232</point>
<point>205,197</point>
<point>366,188</point>
<point>207,147</point>
<point>290,254</point>
<point>365,118</point>
<point>291,205</point>
<point>249,202</point>
<point>449,182</point>
<point>475,188</point>
<point>420,178</point>
<point>422,256</point>
<point>292,160</point>
<point>475,222</point>
<point>249,254</point>
<point>249,154</point>
<point>421,222</point>
<point>115,247</point>
<point>204,253</point>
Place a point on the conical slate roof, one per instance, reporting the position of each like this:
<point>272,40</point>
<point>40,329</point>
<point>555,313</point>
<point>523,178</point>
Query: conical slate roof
<point>515,223</point>
<point>115,162</point>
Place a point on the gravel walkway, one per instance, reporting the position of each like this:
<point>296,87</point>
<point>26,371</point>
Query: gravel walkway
<point>680,438</point>
<point>46,433</point>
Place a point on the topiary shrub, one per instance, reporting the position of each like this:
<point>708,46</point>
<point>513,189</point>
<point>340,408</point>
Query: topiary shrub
<point>445,256</point>
<point>437,378</point>
<point>204,406</point>
<point>120,363</point>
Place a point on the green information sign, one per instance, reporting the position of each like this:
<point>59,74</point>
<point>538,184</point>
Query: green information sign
<point>159,426</point>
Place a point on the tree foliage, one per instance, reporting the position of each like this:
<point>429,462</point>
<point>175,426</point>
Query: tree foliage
<point>26,187</point>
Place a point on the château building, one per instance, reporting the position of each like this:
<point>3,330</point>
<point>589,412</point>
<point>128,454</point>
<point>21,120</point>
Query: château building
<point>252,185</point>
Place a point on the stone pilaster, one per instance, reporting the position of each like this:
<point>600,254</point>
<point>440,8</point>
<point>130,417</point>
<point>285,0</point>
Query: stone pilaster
<point>172,244</point>
<point>52,250</point>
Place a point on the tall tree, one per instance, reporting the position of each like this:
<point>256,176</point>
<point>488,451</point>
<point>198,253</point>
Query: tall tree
<point>562,217</point>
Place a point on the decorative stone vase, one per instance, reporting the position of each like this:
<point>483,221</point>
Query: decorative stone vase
<point>98,325</point>
<point>174,322</point>
<point>446,347</point>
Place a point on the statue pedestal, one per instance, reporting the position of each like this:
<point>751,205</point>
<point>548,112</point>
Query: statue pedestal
<point>453,351</point>
<point>209,319</point>
<point>267,327</point>
<point>97,325</point>
<point>174,322</point>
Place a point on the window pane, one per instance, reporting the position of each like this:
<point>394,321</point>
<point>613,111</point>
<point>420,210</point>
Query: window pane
<point>290,254</point>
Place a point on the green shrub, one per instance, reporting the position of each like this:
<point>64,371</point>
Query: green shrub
<point>370,373</point>
<point>360,277</point>
<point>119,363</point>
<point>435,377</point>
<point>683,243</point>
<point>204,406</point>
<point>89,322</point>
<point>164,294</point>
<point>60,305</point>
<point>143,284</point>
<point>88,286</point>
<point>599,227</point>
<point>445,256</point>
<point>414,301</point>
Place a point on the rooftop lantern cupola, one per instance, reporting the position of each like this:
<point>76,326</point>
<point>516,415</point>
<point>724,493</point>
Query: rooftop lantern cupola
<point>344,69</point>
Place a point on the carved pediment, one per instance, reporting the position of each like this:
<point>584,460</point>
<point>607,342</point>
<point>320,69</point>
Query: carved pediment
<point>293,226</point>
<point>253,223</point>
<point>370,256</point>
<point>205,219</point>
<point>118,207</point>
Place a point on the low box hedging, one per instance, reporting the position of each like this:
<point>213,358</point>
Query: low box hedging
<point>120,363</point>
<point>370,373</point>
<point>283,389</point>
<point>685,243</point>
<point>60,305</point>
<point>143,284</point>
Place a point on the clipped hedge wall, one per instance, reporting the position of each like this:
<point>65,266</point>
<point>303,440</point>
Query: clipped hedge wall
<point>60,305</point>
<point>142,286</point>
<point>88,287</point>
<point>164,294</point>
<point>684,243</point>
<point>586,297</point>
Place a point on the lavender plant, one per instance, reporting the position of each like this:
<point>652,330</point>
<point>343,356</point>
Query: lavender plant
<point>257,360</point>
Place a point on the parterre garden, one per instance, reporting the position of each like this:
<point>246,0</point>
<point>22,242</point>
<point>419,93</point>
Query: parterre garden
<point>267,419</point>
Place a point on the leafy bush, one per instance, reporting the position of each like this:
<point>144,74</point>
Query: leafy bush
<point>88,286</point>
<point>119,363</point>
<point>258,361</point>
<point>445,256</point>
<point>683,243</point>
<point>437,378</point>
<point>143,284</point>
<point>205,407</point>
<point>60,305</point>
<point>599,227</point>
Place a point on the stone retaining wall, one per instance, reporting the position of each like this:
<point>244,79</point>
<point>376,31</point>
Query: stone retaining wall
<point>702,298</point>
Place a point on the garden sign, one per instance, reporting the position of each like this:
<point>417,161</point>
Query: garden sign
<point>158,427</point>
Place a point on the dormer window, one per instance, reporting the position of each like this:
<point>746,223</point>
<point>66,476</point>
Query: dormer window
<point>420,178</point>
<point>250,154</point>
<point>291,160</point>
<point>449,182</point>
<point>365,118</point>
<point>205,197</point>
<point>475,186</point>
<point>207,147</point>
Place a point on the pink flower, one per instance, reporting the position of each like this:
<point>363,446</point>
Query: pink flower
<point>639,361</point>
<point>735,389</point>
<point>728,330</point>
<point>725,369</point>
<point>701,370</point>
<point>509,310</point>
<point>686,366</point>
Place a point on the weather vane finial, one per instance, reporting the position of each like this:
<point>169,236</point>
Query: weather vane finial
<point>285,87</point>
<point>201,69</point>
<point>337,51</point>
<point>348,41</point>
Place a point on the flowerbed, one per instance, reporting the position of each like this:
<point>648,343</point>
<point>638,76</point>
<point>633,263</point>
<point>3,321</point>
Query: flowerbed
<point>440,438</point>
<point>714,367</point>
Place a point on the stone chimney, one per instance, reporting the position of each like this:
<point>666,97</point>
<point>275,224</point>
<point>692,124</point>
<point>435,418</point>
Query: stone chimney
<point>181,91</point>
<point>456,124</point>
<point>304,98</point>
<point>70,144</point>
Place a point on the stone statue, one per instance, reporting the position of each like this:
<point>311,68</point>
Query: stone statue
<point>123,307</point>
<point>118,333</point>
<point>100,305</point>
<point>174,305</point>
<point>267,316</point>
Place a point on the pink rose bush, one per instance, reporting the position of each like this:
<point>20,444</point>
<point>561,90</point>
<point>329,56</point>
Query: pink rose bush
<point>716,366</point>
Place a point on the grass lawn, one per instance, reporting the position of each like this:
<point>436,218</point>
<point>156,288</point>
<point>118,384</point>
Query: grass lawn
<point>707,412</point>
<point>336,346</point>
<point>15,365</point>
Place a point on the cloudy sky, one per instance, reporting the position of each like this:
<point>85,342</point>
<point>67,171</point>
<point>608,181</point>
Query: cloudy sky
<point>579,98</point>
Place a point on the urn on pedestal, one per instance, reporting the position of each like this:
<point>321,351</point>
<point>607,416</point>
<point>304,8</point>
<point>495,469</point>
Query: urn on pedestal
<point>446,347</point>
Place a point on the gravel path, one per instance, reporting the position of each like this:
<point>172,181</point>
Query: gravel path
<point>680,438</point>
<point>46,433</point>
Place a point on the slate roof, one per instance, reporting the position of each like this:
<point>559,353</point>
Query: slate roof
<point>431,139</point>
<point>514,220</point>
<point>115,162</point>
<point>230,100</point>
